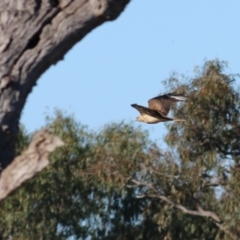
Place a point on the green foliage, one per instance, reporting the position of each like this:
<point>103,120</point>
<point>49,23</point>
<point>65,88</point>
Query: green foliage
<point>116,184</point>
<point>82,192</point>
<point>208,142</point>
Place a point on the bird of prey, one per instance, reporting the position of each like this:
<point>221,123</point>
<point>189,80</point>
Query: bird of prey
<point>158,108</point>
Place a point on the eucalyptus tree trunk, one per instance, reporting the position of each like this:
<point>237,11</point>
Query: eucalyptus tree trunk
<point>34,34</point>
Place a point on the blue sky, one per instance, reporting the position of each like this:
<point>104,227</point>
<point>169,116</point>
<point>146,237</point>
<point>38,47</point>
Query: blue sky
<point>124,61</point>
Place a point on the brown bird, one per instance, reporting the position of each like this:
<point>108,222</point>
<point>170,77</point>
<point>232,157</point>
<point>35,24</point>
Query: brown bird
<point>158,108</point>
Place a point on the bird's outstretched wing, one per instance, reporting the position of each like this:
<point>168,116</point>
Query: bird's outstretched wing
<point>163,103</point>
<point>151,112</point>
<point>144,110</point>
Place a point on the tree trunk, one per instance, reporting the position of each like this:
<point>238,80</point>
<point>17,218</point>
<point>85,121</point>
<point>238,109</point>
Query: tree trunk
<point>34,34</point>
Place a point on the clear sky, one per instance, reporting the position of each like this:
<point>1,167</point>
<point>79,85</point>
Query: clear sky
<point>124,61</point>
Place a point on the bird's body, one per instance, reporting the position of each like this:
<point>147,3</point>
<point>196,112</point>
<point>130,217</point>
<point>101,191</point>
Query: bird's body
<point>158,109</point>
<point>149,119</point>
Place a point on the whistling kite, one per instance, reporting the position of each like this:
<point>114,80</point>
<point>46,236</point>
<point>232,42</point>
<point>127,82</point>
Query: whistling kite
<point>158,108</point>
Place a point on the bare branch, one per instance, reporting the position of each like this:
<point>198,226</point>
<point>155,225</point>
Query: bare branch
<point>232,236</point>
<point>199,212</point>
<point>165,175</point>
<point>31,161</point>
<point>215,184</point>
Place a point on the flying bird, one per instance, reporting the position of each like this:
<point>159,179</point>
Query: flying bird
<point>158,108</point>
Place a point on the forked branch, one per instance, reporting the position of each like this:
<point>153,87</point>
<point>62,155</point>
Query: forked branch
<point>199,212</point>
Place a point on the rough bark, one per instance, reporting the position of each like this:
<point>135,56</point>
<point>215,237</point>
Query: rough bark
<point>34,34</point>
<point>31,161</point>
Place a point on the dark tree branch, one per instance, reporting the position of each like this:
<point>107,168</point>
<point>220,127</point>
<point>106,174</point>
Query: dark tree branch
<point>33,36</point>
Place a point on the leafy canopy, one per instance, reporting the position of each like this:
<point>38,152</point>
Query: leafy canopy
<point>116,183</point>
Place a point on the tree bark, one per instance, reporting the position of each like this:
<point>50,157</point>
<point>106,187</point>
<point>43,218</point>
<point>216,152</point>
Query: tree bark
<point>35,34</point>
<point>31,161</point>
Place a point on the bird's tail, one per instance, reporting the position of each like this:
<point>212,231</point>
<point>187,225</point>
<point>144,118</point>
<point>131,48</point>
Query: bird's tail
<point>178,97</point>
<point>178,120</point>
